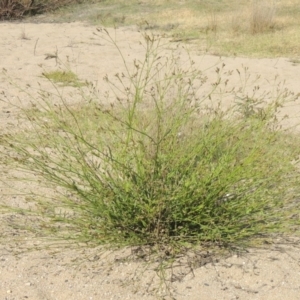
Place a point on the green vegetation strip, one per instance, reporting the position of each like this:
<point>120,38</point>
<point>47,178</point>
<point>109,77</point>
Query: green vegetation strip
<point>252,28</point>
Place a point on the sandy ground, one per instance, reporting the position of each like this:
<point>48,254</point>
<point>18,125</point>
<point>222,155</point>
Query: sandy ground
<point>272,273</point>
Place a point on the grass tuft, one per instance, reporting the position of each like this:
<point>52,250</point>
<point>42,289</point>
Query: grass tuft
<point>262,17</point>
<point>158,165</point>
<point>212,22</point>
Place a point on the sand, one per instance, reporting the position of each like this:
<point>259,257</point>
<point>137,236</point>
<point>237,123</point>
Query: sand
<point>80,273</point>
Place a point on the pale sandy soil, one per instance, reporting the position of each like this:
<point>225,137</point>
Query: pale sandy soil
<point>272,273</point>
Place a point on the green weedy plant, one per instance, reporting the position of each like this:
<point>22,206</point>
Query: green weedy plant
<point>158,165</point>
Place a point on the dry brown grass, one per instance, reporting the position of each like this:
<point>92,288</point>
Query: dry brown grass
<point>262,17</point>
<point>16,9</point>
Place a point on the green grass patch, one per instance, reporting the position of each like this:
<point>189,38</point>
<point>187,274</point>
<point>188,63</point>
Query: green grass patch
<point>65,78</point>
